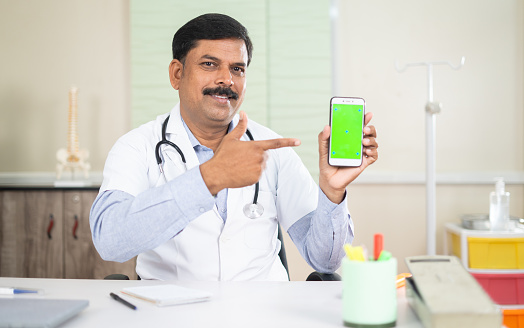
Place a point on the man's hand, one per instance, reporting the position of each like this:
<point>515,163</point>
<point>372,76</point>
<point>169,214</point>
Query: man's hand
<point>238,163</point>
<point>333,180</point>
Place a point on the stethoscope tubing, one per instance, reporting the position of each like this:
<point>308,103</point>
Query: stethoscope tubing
<point>257,185</point>
<point>164,141</point>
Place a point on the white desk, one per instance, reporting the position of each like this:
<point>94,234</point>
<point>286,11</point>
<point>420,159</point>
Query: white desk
<point>234,304</point>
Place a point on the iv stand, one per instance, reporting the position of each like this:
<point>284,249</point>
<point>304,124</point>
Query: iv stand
<point>432,108</point>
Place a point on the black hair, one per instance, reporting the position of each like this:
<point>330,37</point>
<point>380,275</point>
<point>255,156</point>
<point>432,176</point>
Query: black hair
<point>209,27</point>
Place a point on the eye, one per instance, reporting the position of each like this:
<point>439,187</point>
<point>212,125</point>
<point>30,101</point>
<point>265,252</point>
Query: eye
<point>238,70</point>
<point>208,64</point>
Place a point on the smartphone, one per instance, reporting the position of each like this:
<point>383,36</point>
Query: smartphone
<point>347,123</point>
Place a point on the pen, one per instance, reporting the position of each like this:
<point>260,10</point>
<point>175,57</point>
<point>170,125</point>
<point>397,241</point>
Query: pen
<point>121,300</point>
<point>379,245</point>
<point>15,290</point>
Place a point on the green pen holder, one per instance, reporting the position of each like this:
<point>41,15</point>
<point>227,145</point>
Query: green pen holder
<point>369,295</point>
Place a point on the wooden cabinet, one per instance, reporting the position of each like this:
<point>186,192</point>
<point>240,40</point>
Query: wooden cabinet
<point>46,234</point>
<point>25,248</point>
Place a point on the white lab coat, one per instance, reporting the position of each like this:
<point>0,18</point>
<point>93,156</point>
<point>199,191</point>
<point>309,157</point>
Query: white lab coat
<point>209,249</point>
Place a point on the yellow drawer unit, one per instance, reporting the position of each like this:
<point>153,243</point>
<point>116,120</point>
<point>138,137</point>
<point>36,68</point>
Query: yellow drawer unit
<point>496,253</point>
<point>480,249</point>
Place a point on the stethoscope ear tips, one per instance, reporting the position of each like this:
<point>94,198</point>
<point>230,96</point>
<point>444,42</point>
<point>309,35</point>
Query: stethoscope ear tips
<point>253,211</point>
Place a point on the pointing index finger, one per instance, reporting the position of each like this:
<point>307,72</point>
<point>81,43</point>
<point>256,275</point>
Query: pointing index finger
<point>277,143</point>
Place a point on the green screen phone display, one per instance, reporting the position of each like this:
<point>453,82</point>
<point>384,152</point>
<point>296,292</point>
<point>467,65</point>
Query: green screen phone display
<point>346,131</point>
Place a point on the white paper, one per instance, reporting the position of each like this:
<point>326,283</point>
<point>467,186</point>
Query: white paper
<point>167,294</point>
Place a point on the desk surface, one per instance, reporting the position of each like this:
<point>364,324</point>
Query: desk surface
<point>234,304</point>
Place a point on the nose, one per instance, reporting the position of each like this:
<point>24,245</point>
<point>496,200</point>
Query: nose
<point>225,77</point>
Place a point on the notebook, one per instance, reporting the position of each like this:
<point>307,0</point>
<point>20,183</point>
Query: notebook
<point>163,295</point>
<point>38,312</point>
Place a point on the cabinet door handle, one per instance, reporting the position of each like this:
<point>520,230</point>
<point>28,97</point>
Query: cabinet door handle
<point>75,226</point>
<point>50,226</point>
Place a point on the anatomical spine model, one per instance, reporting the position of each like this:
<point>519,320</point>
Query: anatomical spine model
<point>72,158</point>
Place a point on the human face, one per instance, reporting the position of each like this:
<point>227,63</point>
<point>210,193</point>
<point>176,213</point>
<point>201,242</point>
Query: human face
<point>211,82</point>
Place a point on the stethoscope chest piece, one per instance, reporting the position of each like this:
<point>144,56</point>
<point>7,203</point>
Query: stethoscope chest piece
<point>253,210</point>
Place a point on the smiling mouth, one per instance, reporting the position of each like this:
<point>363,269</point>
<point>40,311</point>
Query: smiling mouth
<point>220,97</point>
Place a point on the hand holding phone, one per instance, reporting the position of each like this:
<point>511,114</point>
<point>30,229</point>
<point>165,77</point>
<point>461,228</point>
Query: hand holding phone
<point>347,124</point>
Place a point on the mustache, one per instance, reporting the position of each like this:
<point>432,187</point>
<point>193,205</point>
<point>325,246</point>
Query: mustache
<point>221,91</point>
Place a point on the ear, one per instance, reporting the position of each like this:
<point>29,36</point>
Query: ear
<point>175,73</point>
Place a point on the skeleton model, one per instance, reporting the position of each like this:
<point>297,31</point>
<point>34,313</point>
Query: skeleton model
<point>72,158</point>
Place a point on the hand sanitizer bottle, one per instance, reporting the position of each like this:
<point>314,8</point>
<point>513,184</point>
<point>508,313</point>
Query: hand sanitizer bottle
<point>499,207</point>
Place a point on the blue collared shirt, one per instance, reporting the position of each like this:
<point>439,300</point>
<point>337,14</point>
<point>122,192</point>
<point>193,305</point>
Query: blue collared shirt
<point>204,154</point>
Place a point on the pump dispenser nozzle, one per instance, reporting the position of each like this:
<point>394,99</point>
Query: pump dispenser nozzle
<point>499,207</point>
<point>499,186</point>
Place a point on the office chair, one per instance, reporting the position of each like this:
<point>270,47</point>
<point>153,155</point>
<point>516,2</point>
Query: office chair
<point>314,276</point>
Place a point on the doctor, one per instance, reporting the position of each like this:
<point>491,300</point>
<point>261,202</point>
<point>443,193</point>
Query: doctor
<point>182,210</point>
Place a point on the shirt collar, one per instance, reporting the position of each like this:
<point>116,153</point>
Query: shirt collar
<point>192,139</point>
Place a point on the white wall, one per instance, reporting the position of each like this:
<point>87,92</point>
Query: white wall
<point>46,47</point>
<point>480,127</point>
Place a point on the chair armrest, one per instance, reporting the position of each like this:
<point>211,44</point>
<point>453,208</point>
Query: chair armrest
<point>116,276</point>
<point>317,276</point>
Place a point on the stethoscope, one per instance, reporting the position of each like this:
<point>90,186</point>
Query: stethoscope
<point>251,210</point>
